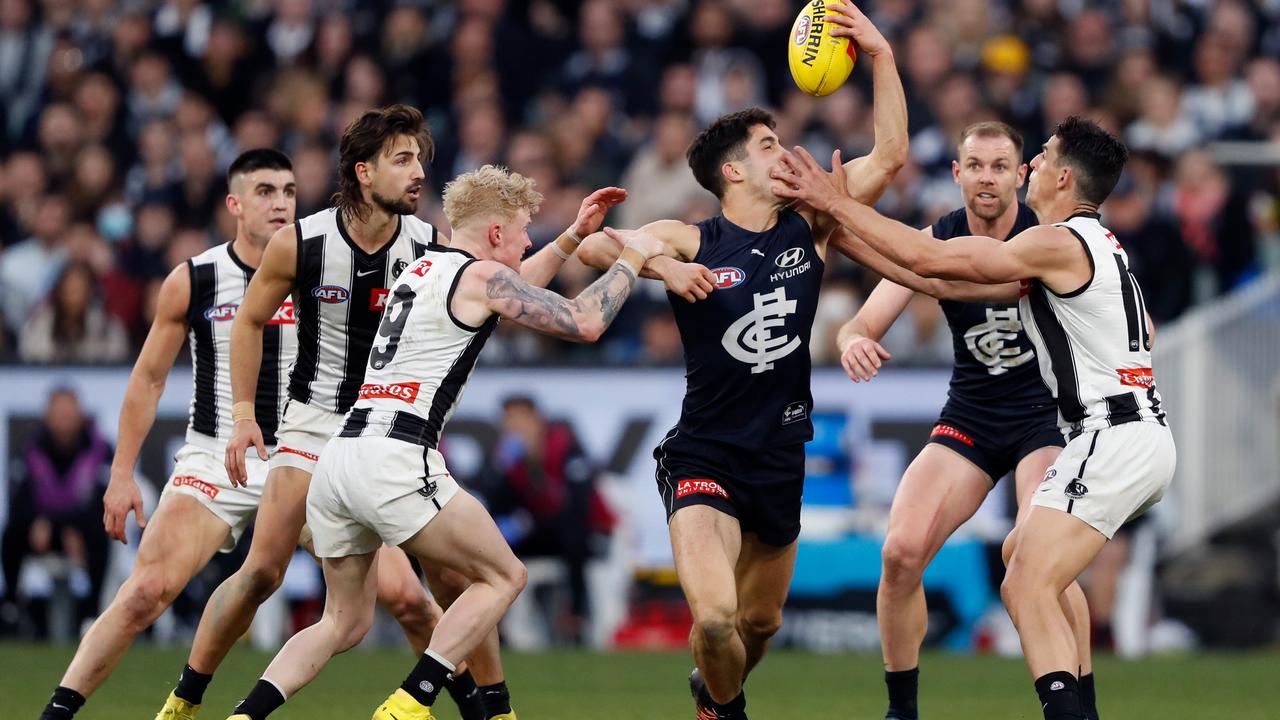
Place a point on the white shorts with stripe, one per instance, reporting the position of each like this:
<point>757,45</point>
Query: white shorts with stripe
<point>1110,476</point>
<point>201,473</point>
<point>303,433</point>
<point>371,490</point>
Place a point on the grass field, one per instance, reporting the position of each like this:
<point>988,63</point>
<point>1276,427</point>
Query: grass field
<point>579,685</point>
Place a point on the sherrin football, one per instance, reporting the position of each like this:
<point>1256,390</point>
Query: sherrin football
<point>819,62</point>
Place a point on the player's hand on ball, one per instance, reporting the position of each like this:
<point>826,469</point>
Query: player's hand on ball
<point>594,207</point>
<point>691,281</point>
<point>846,20</point>
<point>640,241</point>
<point>122,496</point>
<point>862,358</point>
<point>807,181</point>
<point>243,434</point>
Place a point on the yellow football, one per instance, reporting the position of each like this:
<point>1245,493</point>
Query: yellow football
<point>819,62</point>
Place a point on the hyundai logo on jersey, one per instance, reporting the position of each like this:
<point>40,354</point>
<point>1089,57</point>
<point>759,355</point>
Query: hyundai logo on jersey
<point>727,277</point>
<point>330,294</point>
<point>789,258</point>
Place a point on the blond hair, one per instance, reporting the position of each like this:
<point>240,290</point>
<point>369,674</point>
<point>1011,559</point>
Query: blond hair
<point>493,192</point>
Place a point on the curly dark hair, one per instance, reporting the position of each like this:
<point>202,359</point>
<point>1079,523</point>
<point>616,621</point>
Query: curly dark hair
<point>364,139</point>
<point>724,140</point>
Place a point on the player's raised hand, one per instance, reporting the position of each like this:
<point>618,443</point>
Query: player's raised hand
<point>594,207</point>
<point>243,434</point>
<point>691,281</point>
<point>122,495</point>
<point>642,242</point>
<point>846,20</point>
<point>862,358</point>
<point>807,181</point>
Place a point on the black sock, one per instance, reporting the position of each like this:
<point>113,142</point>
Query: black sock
<point>262,700</point>
<point>732,709</point>
<point>191,685</point>
<point>427,679</point>
<point>1088,697</point>
<point>903,686</point>
<point>462,688</point>
<point>63,705</point>
<point>1060,696</point>
<point>496,698</point>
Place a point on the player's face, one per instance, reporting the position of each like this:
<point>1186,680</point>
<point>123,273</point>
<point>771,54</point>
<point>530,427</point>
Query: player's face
<point>764,154</point>
<point>989,173</point>
<point>1042,185</point>
<point>263,201</point>
<point>397,176</point>
<point>513,240</point>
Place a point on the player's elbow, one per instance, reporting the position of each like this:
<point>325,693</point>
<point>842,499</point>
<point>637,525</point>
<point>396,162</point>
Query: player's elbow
<point>591,328</point>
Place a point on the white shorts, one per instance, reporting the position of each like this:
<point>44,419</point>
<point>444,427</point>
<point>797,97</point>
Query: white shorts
<point>304,431</point>
<point>202,474</point>
<point>1108,477</point>
<point>367,491</point>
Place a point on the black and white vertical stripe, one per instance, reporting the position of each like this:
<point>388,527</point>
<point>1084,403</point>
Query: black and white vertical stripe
<point>341,291</point>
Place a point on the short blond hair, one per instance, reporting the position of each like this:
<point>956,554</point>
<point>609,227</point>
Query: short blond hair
<point>492,191</point>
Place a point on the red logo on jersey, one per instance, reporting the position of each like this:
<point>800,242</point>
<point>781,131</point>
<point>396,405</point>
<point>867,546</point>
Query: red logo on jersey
<point>948,431</point>
<point>1114,240</point>
<point>221,313</point>
<point>700,487</point>
<point>1136,377</point>
<point>284,316</point>
<point>727,277</point>
<point>310,456</point>
<point>378,299</point>
<point>332,294</point>
<point>421,267</point>
<point>407,392</point>
<point>1024,288</point>
<point>202,486</point>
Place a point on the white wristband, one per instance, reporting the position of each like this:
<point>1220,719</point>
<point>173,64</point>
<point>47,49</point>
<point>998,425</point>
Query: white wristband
<point>573,235</point>
<point>555,248</point>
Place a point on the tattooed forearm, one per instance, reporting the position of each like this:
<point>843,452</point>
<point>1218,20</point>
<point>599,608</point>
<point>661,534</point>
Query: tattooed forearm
<point>611,290</point>
<point>532,306</point>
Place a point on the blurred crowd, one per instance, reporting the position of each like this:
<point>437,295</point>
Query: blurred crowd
<point>119,118</point>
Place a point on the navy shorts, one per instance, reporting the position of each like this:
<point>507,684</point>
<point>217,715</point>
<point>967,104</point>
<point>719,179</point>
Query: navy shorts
<point>760,487</point>
<point>996,438</point>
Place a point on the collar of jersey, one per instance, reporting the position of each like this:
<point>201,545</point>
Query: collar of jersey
<point>361,252</point>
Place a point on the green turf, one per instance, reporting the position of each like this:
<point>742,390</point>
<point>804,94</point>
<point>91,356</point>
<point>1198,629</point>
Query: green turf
<point>575,685</point>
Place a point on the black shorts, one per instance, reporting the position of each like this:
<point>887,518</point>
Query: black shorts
<point>761,488</point>
<point>996,438</point>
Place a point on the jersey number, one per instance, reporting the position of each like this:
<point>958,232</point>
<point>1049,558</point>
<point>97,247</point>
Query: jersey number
<point>1135,308</point>
<point>393,321</point>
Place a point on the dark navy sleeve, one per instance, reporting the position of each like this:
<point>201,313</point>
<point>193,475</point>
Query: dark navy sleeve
<point>953,224</point>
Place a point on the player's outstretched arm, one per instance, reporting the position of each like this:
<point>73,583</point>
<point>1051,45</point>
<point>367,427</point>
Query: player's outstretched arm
<point>269,287</point>
<point>138,411</point>
<point>544,264</point>
<point>673,267</point>
<point>859,250</point>
<point>869,176</point>
<point>489,287</point>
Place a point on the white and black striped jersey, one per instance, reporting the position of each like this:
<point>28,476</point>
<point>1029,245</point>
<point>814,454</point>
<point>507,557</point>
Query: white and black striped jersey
<point>1093,344</point>
<point>218,281</point>
<point>339,293</point>
<point>423,358</point>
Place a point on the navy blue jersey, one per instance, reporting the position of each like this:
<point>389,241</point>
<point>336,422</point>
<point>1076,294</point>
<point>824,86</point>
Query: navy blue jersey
<point>994,359</point>
<point>746,347</point>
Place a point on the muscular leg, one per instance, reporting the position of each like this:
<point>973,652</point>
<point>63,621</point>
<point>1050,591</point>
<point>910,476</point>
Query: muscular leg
<point>351,588</point>
<point>707,544</point>
<point>401,593</point>
<point>1028,475</point>
<point>1053,548</point>
<point>939,492</point>
<point>485,662</point>
<point>181,538</point>
<point>230,610</point>
<point>763,577</point>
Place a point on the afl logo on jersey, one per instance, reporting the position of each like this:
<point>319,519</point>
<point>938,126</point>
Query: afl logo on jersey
<point>727,277</point>
<point>789,258</point>
<point>221,313</point>
<point>332,294</point>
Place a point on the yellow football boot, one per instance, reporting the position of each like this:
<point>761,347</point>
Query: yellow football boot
<point>402,706</point>
<point>505,716</point>
<point>175,708</point>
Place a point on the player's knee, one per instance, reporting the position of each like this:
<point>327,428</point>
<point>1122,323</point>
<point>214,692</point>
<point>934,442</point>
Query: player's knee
<point>903,559</point>
<point>260,580</point>
<point>760,623</point>
<point>513,577</point>
<point>714,626</point>
<point>145,597</point>
<point>410,605</point>
<point>1010,542</point>
<point>354,630</point>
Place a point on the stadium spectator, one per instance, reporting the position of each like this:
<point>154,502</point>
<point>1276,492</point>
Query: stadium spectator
<point>28,269</point>
<point>660,163</point>
<point>55,506</point>
<point>71,326</point>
